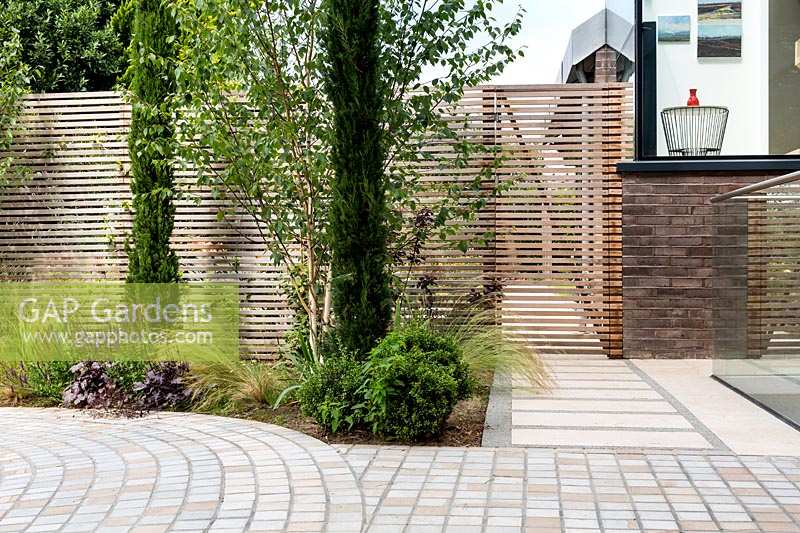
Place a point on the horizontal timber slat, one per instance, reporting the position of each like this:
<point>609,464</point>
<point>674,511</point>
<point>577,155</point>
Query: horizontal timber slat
<point>555,246</point>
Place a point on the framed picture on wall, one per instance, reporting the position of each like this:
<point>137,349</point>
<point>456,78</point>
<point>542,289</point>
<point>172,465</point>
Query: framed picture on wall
<point>675,29</point>
<point>719,28</point>
<point>797,54</point>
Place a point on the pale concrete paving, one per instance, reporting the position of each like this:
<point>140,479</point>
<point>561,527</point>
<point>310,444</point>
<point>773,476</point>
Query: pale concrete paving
<point>599,462</point>
<point>649,405</point>
<point>741,425</point>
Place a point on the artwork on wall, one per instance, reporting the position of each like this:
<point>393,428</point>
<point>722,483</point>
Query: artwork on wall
<point>675,29</point>
<point>797,53</point>
<point>719,28</point>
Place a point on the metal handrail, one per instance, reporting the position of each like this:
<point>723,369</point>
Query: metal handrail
<point>760,186</point>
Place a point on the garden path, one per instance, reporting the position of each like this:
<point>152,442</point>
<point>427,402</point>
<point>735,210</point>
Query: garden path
<point>594,402</point>
<point>66,471</point>
<point>649,404</point>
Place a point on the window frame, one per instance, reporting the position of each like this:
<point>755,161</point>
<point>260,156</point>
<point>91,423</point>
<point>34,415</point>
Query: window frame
<point>672,163</point>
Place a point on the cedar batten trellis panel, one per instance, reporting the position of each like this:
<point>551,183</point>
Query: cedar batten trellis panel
<point>557,235</point>
<point>757,269</point>
<point>70,216</point>
<point>618,135</point>
<point>59,221</point>
<point>773,260</point>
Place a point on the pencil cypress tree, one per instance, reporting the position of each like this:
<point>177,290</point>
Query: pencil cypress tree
<point>150,258</point>
<point>362,299</point>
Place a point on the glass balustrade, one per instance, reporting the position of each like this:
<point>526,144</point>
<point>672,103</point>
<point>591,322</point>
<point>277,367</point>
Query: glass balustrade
<point>756,296</point>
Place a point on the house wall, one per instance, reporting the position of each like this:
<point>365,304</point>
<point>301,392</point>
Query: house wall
<point>741,84</point>
<point>784,77</point>
<point>667,273</point>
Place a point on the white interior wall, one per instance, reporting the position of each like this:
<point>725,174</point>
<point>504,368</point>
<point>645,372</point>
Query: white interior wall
<point>740,84</point>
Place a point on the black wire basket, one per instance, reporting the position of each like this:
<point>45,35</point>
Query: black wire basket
<point>695,131</point>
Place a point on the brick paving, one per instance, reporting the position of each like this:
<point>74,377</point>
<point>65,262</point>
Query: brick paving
<point>66,471</point>
<point>540,490</point>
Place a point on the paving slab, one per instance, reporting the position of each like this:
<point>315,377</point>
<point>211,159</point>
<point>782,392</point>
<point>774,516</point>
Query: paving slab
<point>587,394</point>
<point>584,406</point>
<point>596,402</point>
<point>607,438</point>
<point>596,419</point>
<point>593,402</point>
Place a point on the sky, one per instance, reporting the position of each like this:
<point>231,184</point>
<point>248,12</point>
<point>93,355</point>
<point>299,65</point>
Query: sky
<point>545,33</point>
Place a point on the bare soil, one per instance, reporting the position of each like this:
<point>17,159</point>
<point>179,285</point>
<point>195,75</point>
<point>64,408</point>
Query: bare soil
<point>464,427</point>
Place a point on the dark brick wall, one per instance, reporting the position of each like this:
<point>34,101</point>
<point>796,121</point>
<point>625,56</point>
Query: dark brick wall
<point>667,262</point>
<point>605,70</point>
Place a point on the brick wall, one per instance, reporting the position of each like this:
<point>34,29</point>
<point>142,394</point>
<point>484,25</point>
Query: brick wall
<point>667,262</point>
<point>605,70</point>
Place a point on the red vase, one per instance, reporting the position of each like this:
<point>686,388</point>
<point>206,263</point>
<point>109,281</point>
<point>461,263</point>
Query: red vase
<point>693,101</point>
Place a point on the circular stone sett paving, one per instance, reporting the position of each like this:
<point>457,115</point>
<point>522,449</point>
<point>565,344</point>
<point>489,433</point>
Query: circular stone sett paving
<point>63,470</point>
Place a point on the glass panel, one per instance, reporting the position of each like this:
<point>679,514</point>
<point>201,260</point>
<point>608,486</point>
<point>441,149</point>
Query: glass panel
<point>741,58</point>
<point>757,297</point>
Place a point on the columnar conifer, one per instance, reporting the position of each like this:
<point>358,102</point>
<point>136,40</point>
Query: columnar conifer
<point>151,260</point>
<point>362,299</point>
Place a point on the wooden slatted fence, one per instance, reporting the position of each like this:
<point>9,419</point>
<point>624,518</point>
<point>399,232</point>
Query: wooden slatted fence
<point>773,282</point>
<point>757,275</point>
<point>557,244</point>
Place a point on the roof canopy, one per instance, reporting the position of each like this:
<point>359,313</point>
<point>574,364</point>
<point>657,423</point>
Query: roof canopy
<point>604,28</point>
